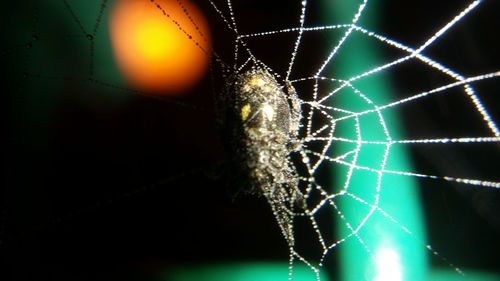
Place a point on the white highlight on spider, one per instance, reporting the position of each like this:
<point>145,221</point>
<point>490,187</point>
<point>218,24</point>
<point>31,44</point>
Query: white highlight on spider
<point>268,111</point>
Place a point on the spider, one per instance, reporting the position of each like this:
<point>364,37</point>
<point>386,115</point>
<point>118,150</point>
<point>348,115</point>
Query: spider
<point>260,124</point>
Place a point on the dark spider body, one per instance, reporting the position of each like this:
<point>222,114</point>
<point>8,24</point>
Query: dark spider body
<point>260,126</point>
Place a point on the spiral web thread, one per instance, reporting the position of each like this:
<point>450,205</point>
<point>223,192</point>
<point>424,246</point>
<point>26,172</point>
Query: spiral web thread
<point>320,105</point>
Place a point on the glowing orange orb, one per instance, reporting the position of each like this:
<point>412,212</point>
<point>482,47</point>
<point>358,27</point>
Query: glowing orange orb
<point>154,50</point>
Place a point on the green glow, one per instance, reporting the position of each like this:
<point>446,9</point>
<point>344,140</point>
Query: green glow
<point>398,255</point>
<point>241,272</point>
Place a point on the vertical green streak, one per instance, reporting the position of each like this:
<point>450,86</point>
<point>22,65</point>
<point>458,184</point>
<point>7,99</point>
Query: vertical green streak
<point>397,255</point>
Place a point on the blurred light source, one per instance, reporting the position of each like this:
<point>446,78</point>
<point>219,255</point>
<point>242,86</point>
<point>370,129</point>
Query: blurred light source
<point>388,265</point>
<point>154,50</point>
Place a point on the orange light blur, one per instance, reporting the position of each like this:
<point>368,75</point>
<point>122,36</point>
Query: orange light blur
<point>154,54</point>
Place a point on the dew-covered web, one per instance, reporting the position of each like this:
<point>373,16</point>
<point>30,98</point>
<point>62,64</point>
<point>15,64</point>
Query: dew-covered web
<point>319,134</point>
<point>342,117</point>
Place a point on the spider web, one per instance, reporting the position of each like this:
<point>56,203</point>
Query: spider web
<point>335,131</point>
<point>318,139</point>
